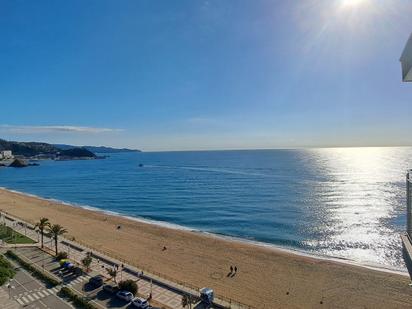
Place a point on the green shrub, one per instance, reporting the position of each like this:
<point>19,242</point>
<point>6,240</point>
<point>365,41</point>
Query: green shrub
<point>77,300</point>
<point>128,285</point>
<point>29,267</point>
<point>65,292</point>
<point>6,270</point>
<point>61,255</point>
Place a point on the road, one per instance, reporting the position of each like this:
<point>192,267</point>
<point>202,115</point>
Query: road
<point>33,294</point>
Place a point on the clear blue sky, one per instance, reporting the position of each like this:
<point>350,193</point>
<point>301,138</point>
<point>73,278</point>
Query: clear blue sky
<point>212,74</point>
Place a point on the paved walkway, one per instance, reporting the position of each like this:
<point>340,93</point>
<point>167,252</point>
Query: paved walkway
<point>5,302</point>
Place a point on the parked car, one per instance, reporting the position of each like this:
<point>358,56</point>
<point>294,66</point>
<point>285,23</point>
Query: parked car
<point>96,281</point>
<point>140,303</point>
<point>77,271</point>
<point>125,295</point>
<point>68,265</point>
<point>112,289</point>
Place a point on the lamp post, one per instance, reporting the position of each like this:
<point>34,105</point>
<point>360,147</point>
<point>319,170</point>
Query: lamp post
<point>9,287</point>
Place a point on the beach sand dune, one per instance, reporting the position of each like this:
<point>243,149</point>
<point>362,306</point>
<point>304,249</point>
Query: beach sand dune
<point>266,277</point>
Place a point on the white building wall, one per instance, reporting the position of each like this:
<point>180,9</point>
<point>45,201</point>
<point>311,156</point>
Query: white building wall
<point>409,204</point>
<point>7,154</point>
<point>406,60</point>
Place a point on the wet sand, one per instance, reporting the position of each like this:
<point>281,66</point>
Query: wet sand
<point>266,277</point>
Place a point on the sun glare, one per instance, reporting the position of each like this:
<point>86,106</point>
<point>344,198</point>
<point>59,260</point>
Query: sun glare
<point>352,3</point>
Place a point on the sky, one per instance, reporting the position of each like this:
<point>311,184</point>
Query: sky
<point>164,75</point>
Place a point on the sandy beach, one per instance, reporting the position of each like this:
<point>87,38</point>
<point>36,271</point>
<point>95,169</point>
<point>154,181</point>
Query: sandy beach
<point>266,277</point>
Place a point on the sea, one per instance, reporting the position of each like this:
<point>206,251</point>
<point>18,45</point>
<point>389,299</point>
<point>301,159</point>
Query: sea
<point>340,203</point>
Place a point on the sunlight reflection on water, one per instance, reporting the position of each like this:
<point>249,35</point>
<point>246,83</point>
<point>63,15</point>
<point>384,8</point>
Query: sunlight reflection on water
<point>358,203</point>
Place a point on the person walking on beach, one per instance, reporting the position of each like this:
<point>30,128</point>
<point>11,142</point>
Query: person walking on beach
<point>235,269</point>
<point>231,269</point>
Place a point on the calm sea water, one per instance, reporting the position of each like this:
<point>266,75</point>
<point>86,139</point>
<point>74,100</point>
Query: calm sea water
<point>347,203</point>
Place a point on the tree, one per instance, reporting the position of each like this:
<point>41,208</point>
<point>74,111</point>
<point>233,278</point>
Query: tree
<point>41,226</point>
<point>87,261</point>
<point>61,255</point>
<point>112,272</point>
<point>128,285</point>
<point>56,230</point>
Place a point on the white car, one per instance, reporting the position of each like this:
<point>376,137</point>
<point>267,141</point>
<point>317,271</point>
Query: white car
<point>125,295</point>
<point>140,303</point>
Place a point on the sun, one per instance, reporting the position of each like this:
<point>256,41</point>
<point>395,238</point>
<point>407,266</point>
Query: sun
<point>353,3</point>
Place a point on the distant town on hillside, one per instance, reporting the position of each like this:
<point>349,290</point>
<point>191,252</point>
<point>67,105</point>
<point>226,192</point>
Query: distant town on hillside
<point>16,154</point>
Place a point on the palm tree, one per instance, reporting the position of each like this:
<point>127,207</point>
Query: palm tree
<point>41,226</point>
<point>56,230</point>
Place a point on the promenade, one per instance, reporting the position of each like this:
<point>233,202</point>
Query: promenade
<point>165,292</point>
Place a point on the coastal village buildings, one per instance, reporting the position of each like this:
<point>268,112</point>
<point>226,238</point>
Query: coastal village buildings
<point>6,155</point>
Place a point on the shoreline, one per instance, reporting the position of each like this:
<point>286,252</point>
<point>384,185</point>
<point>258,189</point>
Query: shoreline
<point>269,277</point>
<point>164,224</point>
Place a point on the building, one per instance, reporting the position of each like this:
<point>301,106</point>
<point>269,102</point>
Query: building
<point>407,237</point>
<point>6,154</point>
<point>406,61</point>
<point>409,203</point>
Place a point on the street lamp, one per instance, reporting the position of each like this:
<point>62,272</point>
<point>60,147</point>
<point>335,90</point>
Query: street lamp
<point>10,287</point>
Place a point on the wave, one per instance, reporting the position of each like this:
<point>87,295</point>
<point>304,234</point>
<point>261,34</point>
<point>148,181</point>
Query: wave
<point>289,250</point>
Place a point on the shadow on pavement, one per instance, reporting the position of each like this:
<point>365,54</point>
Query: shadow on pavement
<point>116,303</point>
<point>89,287</point>
<point>102,295</point>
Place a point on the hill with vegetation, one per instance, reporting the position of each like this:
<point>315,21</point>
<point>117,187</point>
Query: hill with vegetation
<point>77,153</point>
<point>28,149</point>
<point>97,149</point>
<point>32,149</point>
